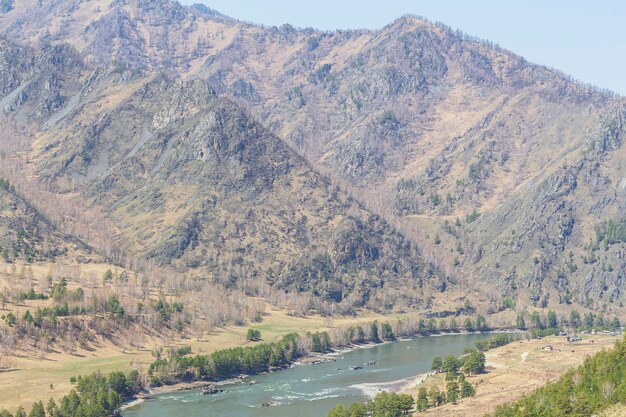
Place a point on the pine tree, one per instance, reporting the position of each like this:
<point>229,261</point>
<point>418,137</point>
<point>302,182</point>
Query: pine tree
<point>437,364</point>
<point>37,410</point>
<point>253,335</point>
<point>374,333</point>
<point>443,326</point>
<point>360,334</point>
<point>552,320</point>
<point>474,363</point>
<point>481,324</point>
<point>387,332</point>
<point>468,325</point>
<point>451,366</point>
<point>535,320</point>
<point>574,319</point>
<point>10,319</point>
<point>28,317</point>
<point>422,399</point>
<point>452,392</point>
<point>466,389</point>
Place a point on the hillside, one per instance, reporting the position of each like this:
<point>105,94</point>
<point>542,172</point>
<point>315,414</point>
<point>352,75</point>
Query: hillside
<point>427,128</point>
<point>24,234</point>
<point>189,180</point>
<point>174,181</point>
<point>595,387</point>
<point>205,187</point>
<point>499,170</point>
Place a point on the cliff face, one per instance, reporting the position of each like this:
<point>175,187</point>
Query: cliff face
<point>501,171</point>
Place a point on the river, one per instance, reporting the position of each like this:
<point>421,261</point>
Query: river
<point>311,391</point>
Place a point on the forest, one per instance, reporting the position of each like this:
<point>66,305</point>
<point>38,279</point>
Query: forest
<point>223,364</point>
<point>95,395</point>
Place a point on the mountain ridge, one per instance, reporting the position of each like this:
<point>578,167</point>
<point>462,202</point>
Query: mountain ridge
<point>143,157</point>
<point>450,139</point>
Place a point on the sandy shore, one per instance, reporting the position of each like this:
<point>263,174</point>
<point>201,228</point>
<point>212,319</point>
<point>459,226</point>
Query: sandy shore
<point>132,403</point>
<point>401,386</point>
<point>188,386</point>
<point>415,382</point>
<point>181,386</point>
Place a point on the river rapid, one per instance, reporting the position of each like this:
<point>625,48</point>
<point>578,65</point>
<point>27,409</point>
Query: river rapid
<point>311,391</point>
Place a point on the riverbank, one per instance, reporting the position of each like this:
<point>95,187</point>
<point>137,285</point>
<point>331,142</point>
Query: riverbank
<point>168,389</point>
<point>312,359</point>
<point>516,369</point>
<point>34,378</point>
<point>398,386</point>
<point>312,391</point>
<point>187,386</point>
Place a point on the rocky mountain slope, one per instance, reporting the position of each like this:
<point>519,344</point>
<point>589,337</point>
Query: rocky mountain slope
<point>25,234</point>
<point>191,181</point>
<point>506,174</point>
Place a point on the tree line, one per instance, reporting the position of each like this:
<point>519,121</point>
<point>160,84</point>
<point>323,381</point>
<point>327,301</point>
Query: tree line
<point>542,325</point>
<point>383,405</point>
<point>98,395</point>
<point>94,395</point>
<point>227,363</point>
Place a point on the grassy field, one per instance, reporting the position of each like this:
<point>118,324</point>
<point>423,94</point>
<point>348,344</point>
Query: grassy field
<point>516,369</point>
<point>614,411</point>
<point>31,378</point>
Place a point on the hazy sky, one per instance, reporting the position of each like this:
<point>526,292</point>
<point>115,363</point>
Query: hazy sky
<point>586,39</point>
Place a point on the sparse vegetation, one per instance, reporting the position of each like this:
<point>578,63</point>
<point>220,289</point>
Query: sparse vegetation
<point>154,208</point>
<point>253,335</point>
<point>611,232</point>
<point>594,386</point>
<point>470,218</point>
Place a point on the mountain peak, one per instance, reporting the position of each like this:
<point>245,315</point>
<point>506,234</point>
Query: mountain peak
<point>410,19</point>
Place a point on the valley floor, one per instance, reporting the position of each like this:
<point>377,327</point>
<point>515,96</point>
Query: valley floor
<point>31,379</point>
<point>516,369</point>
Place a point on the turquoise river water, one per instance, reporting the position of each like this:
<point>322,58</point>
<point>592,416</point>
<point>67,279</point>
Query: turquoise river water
<point>311,391</point>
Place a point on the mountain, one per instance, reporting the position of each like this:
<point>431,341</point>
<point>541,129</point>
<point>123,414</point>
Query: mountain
<point>207,140</point>
<point>189,180</point>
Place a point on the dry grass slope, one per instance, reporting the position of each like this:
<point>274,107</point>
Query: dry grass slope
<point>517,369</point>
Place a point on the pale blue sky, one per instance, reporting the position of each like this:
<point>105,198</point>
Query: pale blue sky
<point>586,39</point>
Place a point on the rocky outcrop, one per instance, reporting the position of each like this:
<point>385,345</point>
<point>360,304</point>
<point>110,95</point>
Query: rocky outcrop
<point>502,169</point>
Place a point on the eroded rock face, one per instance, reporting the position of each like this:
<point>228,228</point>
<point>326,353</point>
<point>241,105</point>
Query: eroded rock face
<point>501,169</point>
<point>193,182</point>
